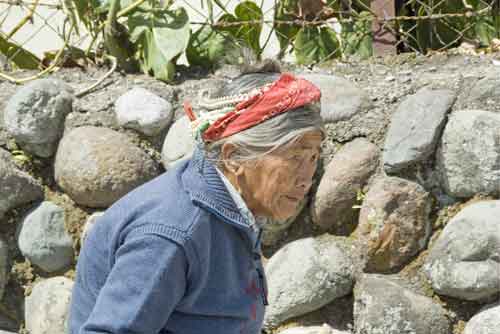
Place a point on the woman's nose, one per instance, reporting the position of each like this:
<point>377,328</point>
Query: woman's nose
<point>305,176</point>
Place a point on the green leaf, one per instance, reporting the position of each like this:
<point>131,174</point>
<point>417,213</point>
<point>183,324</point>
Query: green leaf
<point>18,55</point>
<point>172,36</point>
<point>357,37</point>
<point>160,36</point>
<point>285,32</point>
<point>206,46</point>
<point>315,44</point>
<point>434,34</point>
<point>249,11</point>
<point>248,33</point>
<point>138,24</point>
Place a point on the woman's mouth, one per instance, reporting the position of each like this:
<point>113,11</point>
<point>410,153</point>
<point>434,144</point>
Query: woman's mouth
<point>293,198</point>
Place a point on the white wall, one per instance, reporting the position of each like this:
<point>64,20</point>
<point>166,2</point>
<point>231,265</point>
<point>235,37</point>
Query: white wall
<point>47,39</point>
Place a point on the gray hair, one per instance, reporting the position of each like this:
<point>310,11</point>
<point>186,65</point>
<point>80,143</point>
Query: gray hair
<point>270,135</point>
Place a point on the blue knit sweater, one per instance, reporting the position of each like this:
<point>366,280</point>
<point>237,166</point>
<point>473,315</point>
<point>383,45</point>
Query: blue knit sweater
<point>173,256</point>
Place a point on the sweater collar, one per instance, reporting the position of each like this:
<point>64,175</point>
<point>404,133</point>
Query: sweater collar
<point>208,190</point>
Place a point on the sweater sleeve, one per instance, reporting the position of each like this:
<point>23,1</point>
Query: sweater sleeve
<point>146,282</point>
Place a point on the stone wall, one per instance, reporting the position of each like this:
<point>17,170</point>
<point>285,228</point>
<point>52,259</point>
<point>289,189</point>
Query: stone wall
<point>399,235</point>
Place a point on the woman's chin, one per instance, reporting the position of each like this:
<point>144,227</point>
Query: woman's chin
<point>287,210</point>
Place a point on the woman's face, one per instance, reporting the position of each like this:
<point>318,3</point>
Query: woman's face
<point>274,185</point>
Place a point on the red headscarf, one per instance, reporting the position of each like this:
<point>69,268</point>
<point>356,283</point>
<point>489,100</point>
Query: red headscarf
<point>286,93</point>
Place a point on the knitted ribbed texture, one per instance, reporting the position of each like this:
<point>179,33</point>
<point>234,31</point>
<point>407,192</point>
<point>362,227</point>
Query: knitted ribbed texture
<point>173,256</point>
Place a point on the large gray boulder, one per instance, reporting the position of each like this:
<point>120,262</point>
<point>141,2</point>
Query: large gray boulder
<point>487,321</point>
<point>179,143</point>
<point>325,329</point>
<point>47,308</point>
<point>141,110</point>
<point>16,187</point>
<point>305,275</point>
<point>415,128</point>
<point>383,306</point>
<point>344,176</point>
<point>464,262</point>
<point>484,94</point>
<point>97,166</point>
<point>393,224</point>
<point>469,154</point>
<point>340,98</point>
<point>3,265</point>
<point>43,238</point>
<point>35,115</point>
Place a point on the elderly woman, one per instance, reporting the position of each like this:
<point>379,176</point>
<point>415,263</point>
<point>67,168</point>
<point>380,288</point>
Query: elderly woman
<point>181,254</point>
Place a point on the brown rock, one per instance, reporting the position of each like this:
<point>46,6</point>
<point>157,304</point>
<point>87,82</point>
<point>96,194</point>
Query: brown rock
<point>96,166</point>
<point>393,223</point>
<point>345,175</point>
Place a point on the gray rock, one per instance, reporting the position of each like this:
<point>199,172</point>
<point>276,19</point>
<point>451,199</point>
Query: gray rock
<point>325,329</point>
<point>344,176</point>
<point>16,187</point>
<point>89,224</point>
<point>179,143</point>
<point>305,275</point>
<point>46,309</point>
<point>469,155</point>
<point>35,115</point>
<point>487,321</point>
<point>415,128</point>
<point>43,238</point>
<point>141,110</point>
<point>394,223</point>
<point>464,261</point>
<point>340,99</point>
<point>382,306</point>
<point>97,166</point>
<point>3,266</point>
<point>485,93</point>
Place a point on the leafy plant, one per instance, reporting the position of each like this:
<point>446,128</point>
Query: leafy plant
<point>88,12</point>
<point>315,44</point>
<point>229,38</point>
<point>21,57</point>
<point>247,33</point>
<point>357,36</point>
<point>286,10</point>
<point>449,31</point>
<point>207,47</point>
<point>486,27</point>
<point>139,34</point>
<point>160,37</point>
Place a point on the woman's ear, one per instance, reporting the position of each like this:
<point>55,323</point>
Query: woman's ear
<point>228,163</point>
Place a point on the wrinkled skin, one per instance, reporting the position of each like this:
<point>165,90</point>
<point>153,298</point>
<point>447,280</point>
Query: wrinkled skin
<point>274,185</point>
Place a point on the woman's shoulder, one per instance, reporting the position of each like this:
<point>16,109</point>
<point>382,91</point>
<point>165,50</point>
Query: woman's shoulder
<point>159,205</point>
